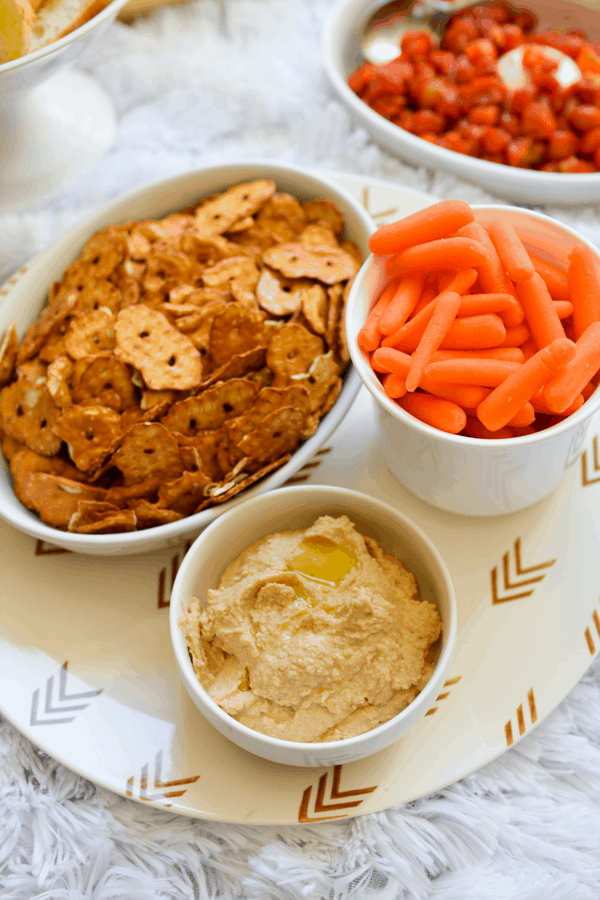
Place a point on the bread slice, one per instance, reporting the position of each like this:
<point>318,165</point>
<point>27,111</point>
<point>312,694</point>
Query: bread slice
<point>59,17</point>
<point>16,19</point>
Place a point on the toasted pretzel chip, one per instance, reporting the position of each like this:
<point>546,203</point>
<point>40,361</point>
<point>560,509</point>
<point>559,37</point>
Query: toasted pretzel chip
<point>319,380</point>
<point>234,331</point>
<point>206,444</point>
<point>282,216</point>
<point>117,522</point>
<point>33,371</point>
<point>147,449</point>
<point>351,248</point>
<point>147,489</point>
<point>217,215</point>
<point>324,211</point>
<point>54,346</point>
<point>185,493</point>
<point>211,408</point>
<point>269,400</point>
<point>106,382</point>
<point>8,355</point>
<point>10,447</point>
<point>326,265</point>
<point>166,358</point>
<point>198,297</point>
<point>150,516</point>
<point>206,250</point>
<point>319,235</point>
<point>245,482</point>
<point>52,316</point>
<point>342,341</point>
<point>56,498</point>
<point>28,414</point>
<point>103,252</point>
<point>199,327</point>
<point>98,293</point>
<point>249,363</point>
<point>239,274</point>
<point>291,351</point>
<point>314,307</point>
<point>277,434</point>
<point>90,333</point>
<point>90,433</point>
<point>241,225</point>
<point>334,314</point>
<point>89,511</point>
<point>25,462</point>
<point>152,399</point>
<point>57,381</point>
<point>166,268</point>
<point>280,296</point>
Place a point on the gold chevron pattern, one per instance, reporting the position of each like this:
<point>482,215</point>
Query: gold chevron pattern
<point>382,215</point>
<point>590,468</point>
<point>444,694</point>
<point>164,597</point>
<point>323,802</point>
<point>306,471</point>
<point>507,585</point>
<point>593,634</point>
<point>153,789</point>
<point>520,719</point>
<point>57,704</point>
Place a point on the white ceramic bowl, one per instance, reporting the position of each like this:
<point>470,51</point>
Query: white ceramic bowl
<point>223,541</point>
<point>461,474</point>
<point>59,121</point>
<point>341,55</point>
<point>25,295</point>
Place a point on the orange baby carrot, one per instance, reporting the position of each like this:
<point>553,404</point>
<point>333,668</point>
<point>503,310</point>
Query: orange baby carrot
<point>513,354</point>
<point>444,314</point>
<point>427,296</point>
<point>437,221</point>
<point>477,304</point>
<point>486,372</point>
<point>492,277</point>
<point>435,411</point>
<point>523,417</point>
<point>588,390</point>
<point>511,251</point>
<point>564,387</point>
<point>369,335</point>
<point>475,333</point>
<point>394,386</point>
<point>402,304</point>
<point>469,396</point>
<point>529,348</point>
<point>554,278</point>
<point>506,400</point>
<point>410,334</point>
<point>449,252</point>
<point>584,288</point>
<point>542,318</point>
<point>387,359</point>
<point>524,430</point>
<point>539,404</point>
<point>460,282</point>
<point>475,429</point>
<point>563,308</point>
<point>515,337</point>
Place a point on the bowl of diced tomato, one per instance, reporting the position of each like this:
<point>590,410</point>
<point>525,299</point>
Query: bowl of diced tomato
<point>444,103</point>
<point>477,332</point>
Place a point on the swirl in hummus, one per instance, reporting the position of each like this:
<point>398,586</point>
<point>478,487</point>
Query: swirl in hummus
<point>314,635</point>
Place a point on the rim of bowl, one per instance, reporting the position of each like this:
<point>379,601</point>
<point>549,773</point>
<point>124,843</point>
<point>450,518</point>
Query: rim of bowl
<point>182,654</point>
<point>431,153</point>
<point>373,385</point>
<point>109,10</point>
<point>350,386</point>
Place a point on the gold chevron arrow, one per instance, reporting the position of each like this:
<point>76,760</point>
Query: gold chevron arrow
<point>586,480</point>
<point>520,570</point>
<point>335,794</point>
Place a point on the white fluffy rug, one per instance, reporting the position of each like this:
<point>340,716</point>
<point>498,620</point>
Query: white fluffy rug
<point>202,83</point>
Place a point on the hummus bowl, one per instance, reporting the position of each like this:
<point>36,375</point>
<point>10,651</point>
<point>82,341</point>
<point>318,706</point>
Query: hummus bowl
<point>23,297</point>
<point>298,508</point>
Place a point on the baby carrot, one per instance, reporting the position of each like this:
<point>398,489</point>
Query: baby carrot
<point>513,354</point>
<point>554,278</point>
<point>411,332</point>
<point>564,387</point>
<point>539,404</point>
<point>475,333</point>
<point>588,390</point>
<point>529,348</point>
<point>584,288</point>
<point>369,335</point>
<point>523,417</point>
<point>435,411</point>
<point>387,359</point>
<point>394,386</point>
<point>491,276</point>
<point>444,314</point>
<point>477,304</point>
<point>511,251</point>
<point>437,221</point>
<point>515,337</point>
<point>506,400</point>
<point>449,252</point>
<point>460,281</point>
<point>469,396</point>
<point>542,318</point>
<point>427,296</point>
<point>486,372</point>
<point>563,308</point>
<point>475,429</point>
<point>402,304</point>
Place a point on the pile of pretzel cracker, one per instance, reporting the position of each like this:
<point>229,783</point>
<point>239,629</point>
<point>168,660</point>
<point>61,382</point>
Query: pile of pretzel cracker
<point>178,361</point>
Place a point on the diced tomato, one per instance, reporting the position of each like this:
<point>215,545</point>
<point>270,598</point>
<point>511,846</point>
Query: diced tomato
<point>538,119</point>
<point>562,144</point>
<point>585,117</point>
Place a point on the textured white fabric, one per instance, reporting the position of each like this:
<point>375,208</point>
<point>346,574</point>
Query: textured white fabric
<point>198,84</point>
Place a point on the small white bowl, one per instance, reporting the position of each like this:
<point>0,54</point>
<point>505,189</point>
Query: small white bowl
<point>461,474</point>
<point>26,294</point>
<point>341,56</point>
<point>60,121</point>
<point>298,507</point>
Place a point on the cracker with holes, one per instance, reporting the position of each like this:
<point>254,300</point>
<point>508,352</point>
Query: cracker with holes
<point>269,400</point>
<point>90,433</point>
<point>319,235</point>
<point>166,358</point>
<point>324,263</point>
<point>319,380</point>
<point>57,381</point>
<point>8,355</point>
<point>184,494</point>
<point>239,274</point>
<point>277,434</point>
<point>98,293</point>
<point>148,515</point>
<point>324,211</point>
<point>249,363</point>
<point>52,317</point>
<point>114,522</point>
<point>26,462</point>
<point>291,351</point>
<point>334,314</point>
<point>55,498</point>
<point>314,307</point>
<point>212,407</point>
<point>148,448</point>
<point>103,252</point>
<point>236,330</point>
<point>28,414</point>
<point>280,296</point>
<point>53,346</point>
<point>105,381</point>
<point>221,493</point>
<point>218,214</point>
<point>205,445</point>
<point>90,333</point>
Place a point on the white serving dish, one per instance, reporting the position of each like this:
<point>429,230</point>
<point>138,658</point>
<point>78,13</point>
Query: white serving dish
<point>57,122</point>
<point>25,297</point>
<point>341,55</point>
<point>293,508</point>
<point>461,474</point>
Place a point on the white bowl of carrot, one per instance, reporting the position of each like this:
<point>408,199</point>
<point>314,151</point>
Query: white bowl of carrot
<point>477,331</point>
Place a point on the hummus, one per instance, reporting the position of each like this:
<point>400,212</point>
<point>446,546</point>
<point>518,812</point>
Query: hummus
<point>313,635</point>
